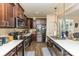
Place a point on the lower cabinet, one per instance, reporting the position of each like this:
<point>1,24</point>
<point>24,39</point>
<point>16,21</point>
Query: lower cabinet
<point>55,49</point>
<point>50,47</point>
<point>17,51</point>
<point>34,37</point>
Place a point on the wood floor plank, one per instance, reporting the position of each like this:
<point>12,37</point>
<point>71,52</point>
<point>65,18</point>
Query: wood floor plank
<point>37,47</point>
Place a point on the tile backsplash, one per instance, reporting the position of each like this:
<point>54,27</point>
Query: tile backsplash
<point>5,31</point>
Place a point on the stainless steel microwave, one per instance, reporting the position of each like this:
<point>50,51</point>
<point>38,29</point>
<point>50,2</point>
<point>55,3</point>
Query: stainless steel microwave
<point>19,22</point>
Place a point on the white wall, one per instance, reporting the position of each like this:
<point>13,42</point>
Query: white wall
<point>51,24</point>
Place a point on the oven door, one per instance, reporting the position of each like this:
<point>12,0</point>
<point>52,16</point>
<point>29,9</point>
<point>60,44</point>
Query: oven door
<point>26,43</point>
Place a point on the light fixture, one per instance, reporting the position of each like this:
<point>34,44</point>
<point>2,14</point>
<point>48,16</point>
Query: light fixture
<point>56,19</point>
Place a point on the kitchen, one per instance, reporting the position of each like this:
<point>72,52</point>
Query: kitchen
<point>17,30</point>
<point>39,29</point>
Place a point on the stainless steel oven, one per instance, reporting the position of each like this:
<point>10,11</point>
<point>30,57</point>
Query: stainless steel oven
<point>27,40</point>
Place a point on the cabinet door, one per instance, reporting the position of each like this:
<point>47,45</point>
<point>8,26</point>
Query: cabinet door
<point>26,23</point>
<point>30,23</point>
<point>19,11</point>
<point>10,16</point>
<point>2,15</point>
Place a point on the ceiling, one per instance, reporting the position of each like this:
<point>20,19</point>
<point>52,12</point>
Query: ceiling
<point>43,9</point>
<point>74,11</point>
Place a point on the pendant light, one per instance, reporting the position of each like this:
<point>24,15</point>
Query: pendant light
<point>56,22</point>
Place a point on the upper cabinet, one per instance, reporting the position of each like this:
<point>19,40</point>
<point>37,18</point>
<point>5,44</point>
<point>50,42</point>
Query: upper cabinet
<point>19,11</point>
<point>19,15</point>
<point>26,21</point>
<point>30,23</point>
<point>7,15</point>
<point>12,15</point>
<point>1,14</point>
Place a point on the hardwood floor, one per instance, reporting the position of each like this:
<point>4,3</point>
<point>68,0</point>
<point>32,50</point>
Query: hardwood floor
<point>35,46</point>
<point>54,51</point>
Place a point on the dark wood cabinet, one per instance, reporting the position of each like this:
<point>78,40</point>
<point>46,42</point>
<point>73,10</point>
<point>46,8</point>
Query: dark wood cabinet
<point>2,15</point>
<point>6,15</point>
<point>19,11</point>
<point>10,15</point>
<point>30,23</point>
<point>34,36</point>
<point>26,21</point>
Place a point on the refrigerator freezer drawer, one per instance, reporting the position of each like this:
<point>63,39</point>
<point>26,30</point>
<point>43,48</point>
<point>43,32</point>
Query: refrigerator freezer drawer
<point>39,39</point>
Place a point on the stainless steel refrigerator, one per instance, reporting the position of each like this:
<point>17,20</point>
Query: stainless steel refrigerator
<point>41,32</point>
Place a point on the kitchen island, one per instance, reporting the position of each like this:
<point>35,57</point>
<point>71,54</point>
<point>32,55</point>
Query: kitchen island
<point>66,45</point>
<point>12,48</point>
